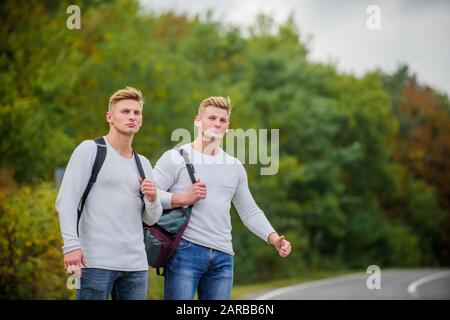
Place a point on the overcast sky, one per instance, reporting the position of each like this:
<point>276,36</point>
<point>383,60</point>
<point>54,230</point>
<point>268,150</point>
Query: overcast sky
<point>413,32</point>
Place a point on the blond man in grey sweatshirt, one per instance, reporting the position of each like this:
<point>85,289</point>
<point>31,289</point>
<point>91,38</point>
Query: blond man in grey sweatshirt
<point>107,248</point>
<point>203,260</point>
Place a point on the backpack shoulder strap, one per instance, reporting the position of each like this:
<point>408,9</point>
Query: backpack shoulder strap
<point>99,159</point>
<point>139,165</point>
<point>189,165</point>
<point>142,174</point>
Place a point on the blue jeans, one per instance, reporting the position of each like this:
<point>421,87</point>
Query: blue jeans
<point>196,268</point>
<point>99,284</point>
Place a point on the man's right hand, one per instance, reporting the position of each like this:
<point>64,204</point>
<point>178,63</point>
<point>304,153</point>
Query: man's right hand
<point>74,261</point>
<point>195,193</point>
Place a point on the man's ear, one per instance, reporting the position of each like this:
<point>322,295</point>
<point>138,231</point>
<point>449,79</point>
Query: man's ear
<point>108,117</point>
<point>197,121</point>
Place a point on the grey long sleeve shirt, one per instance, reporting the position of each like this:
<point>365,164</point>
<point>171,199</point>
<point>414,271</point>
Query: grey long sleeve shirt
<point>226,182</point>
<point>110,229</point>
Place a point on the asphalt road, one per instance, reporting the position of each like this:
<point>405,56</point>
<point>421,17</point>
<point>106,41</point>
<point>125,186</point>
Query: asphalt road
<point>394,285</point>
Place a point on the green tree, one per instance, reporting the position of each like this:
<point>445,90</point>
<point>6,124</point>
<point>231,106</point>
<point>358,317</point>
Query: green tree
<point>31,260</point>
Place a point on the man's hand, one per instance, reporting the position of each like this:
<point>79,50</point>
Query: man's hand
<point>281,244</point>
<point>195,193</point>
<point>148,189</point>
<point>74,261</point>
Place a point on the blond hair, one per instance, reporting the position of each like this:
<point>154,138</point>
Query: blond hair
<point>219,102</point>
<point>126,93</point>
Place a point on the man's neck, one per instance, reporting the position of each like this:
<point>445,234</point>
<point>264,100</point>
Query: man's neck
<point>210,148</point>
<point>121,143</point>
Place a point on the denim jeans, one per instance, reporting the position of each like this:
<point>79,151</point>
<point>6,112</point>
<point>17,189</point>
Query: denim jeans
<point>196,268</point>
<point>99,284</point>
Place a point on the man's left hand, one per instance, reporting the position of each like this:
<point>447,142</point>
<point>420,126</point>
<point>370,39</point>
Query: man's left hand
<point>281,244</point>
<point>148,189</point>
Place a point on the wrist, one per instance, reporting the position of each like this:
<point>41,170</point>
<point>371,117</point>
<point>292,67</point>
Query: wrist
<point>273,236</point>
<point>179,200</point>
<point>185,199</point>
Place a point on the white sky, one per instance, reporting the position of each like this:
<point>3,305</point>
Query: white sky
<point>412,31</point>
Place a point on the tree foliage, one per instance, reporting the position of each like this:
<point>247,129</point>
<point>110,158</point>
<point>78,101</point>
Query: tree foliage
<point>363,166</point>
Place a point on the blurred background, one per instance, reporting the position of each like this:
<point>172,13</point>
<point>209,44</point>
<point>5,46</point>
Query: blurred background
<point>363,116</point>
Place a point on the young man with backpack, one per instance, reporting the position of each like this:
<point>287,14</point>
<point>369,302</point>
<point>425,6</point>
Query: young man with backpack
<point>105,237</point>
<point>203,259</point>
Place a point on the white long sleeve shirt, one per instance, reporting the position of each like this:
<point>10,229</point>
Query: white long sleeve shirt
<point>110,228</point>
<point>226,182</point>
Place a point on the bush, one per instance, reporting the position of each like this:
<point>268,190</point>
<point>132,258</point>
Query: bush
<point>31,259</point>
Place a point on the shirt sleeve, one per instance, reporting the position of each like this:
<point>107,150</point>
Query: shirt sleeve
<point>166,174</point>
<point>75,180</point>
<point>249,212</point>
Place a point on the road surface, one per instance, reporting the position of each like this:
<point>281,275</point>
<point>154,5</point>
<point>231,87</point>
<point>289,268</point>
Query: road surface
<point>394,285</point>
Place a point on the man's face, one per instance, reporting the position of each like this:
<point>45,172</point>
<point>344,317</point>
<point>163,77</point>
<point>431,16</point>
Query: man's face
<point>125,116</point>
<point>213,123</point>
